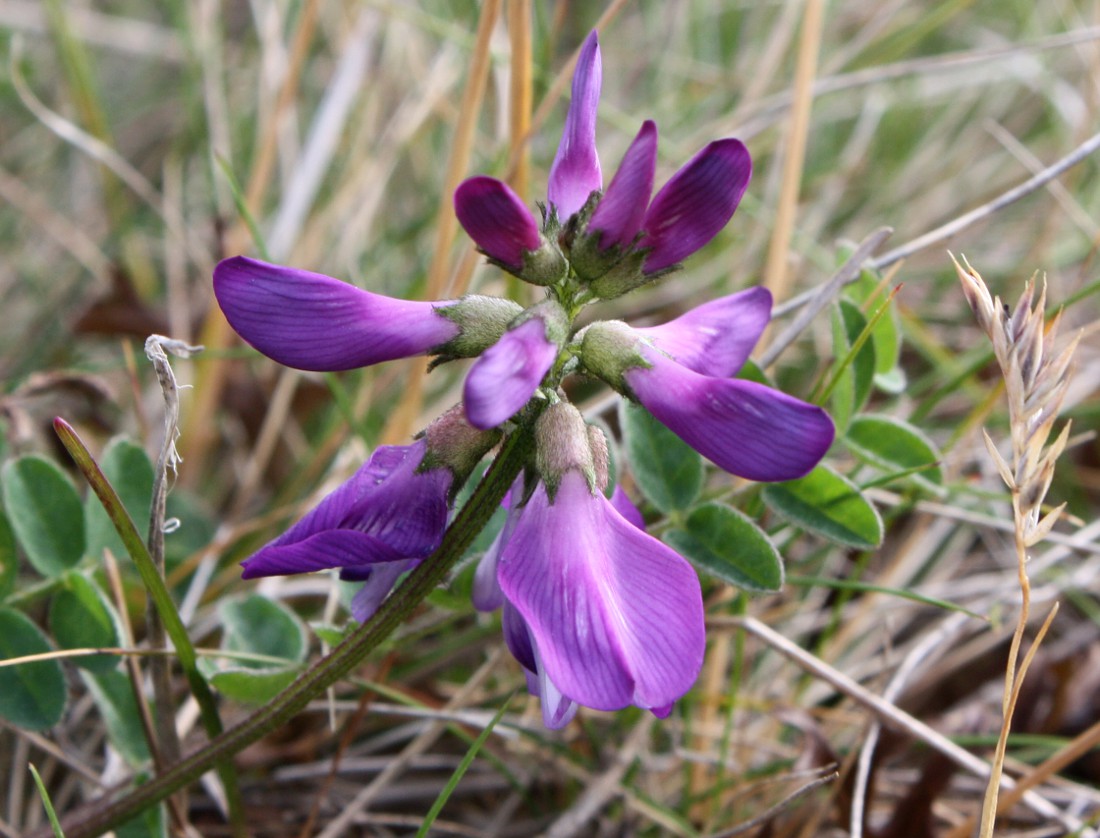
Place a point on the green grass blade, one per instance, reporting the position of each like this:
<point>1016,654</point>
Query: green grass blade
<point>444,795</point>
<point>50,813</point>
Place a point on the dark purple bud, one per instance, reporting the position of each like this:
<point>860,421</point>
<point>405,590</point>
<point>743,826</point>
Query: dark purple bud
<point>497,220</point>
<point>618,216</point>
<point>696,203</point>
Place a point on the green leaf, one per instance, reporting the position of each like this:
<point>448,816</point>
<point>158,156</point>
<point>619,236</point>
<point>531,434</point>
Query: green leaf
<point>895,446</point>
<point>33,695</point>
<point>723,542</point>
<point>8,557</point>
<point>82,617</point>
<point>253,686</point>
<point>45,513</point>
<point>668,470</point>
<point>130,471</point>
<point>331,634</point>
<point>121,716</point>
<point>258,625</point>
<point>825,503</point>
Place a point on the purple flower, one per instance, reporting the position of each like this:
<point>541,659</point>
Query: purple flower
<point>557,709</point>
<point>314,322</point>
<point>717,337</point>
<point>615,617</point>
<point>746,428</point>
<point>575,173</point>
<point>695,204</point>
<point>378,580</point>
<point>387,517</point>
<point>688,211</point>
<point>628,239</point>
<point>679,372</point>
<point>621,212</point>
<point>507,374</point>
<point>497,219</point>
<point>626,508</point>
<point>388,511</point>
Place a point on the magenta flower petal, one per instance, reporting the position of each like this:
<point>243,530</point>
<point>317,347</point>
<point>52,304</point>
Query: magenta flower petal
<point>314,322</point>
<point>377,584</point>
<point>622,208</point>
<point>497,219</point>
<point>715,338</point>
<point>517,638</point>
<point>626,508</point>
<point>385,512</point>
<point>507,374</point>
<point>696,203</point>
<point>746,428</point>
<point>616,616</point>
<point>486,594</point>
<point>575,173</point>
<point>558,710</point>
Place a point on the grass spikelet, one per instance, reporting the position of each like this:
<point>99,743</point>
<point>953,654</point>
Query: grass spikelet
<point>1036,378</point>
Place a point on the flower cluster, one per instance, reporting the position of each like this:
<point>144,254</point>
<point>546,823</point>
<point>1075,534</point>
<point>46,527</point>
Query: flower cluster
<point>597,612</point>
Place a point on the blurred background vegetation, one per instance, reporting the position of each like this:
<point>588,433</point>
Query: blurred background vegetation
<point>141,142</point>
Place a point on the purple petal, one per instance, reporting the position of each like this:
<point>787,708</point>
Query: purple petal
<point>617,616</point>
<point>517,637</point>
<point>507,374</point>
<point>334,548</point>
<point>314,322</point>
<point>497,219</point>
<point>575,173</point>
<point>696,203</point>
<point>384,512</point>
<point>715,338</point>
<point>486,594</point>
<point>746,428</point>
<point>622,208</point>
<point>622,503</point>
<point>557,709</point>
<point>377,586</point>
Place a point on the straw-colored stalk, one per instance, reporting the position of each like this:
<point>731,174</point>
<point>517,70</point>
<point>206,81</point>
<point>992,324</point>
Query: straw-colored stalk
<point>1036,378</point>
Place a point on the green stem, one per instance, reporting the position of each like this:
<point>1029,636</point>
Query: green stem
<point>100,816</point>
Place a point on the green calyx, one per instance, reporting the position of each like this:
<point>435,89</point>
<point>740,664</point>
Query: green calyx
<point>608,349</point>
<point>481,321</point>
<point>562,445</point>
<point>456,445</point>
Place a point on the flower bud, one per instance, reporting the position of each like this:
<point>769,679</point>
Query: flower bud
<point>506,231</point>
